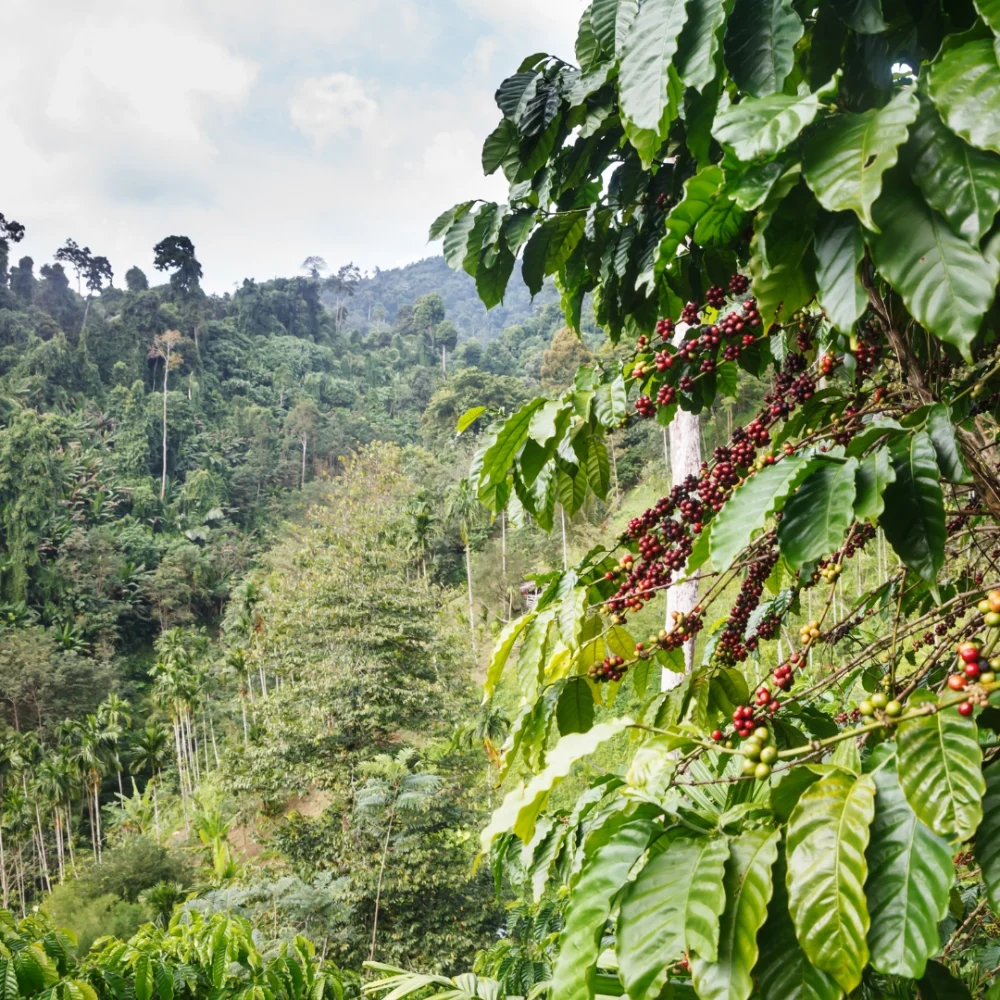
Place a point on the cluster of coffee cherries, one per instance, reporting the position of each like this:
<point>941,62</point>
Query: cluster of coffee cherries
<point>743,721</point>
<point>732,647</point>
<point>759,754</point>
<point>974,669</point>
<point>830,569</point>
<point>611,668</point>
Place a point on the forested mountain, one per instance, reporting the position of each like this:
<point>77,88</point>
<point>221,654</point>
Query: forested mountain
<point>245,590</point>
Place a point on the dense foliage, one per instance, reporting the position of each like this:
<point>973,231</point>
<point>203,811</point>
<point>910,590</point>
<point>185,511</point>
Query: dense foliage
<point>807,195</point>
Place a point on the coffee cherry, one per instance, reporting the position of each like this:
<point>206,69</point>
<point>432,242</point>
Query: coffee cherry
<point>879,699</point>
<point>968,651</point>
<point>717,736</point>
<point>987,677</point>
<point>751,749</point>
<point>957,682</point>
<point>983,607</point>
<point>965,708</point>
<point>991,619</point>
<point>866,708</point>
<point>893,709</point>
<point>769,755</point>
<point>972,671</point>
<point>763,771</point>
<point>993,597</point>
<point>761,735</point>
<point>749,766</point>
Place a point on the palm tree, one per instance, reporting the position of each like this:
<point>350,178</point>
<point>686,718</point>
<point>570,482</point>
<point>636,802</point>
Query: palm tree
<point>462,506</point>
<point>95,750</point>
<point>421,523</point>
<point>149,751</point>
<point>114,711</point>
<point>393,786</point>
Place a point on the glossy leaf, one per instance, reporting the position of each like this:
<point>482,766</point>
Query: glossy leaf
<point>946,284</point>
<point>910,875</point>
<point>988,837</point>
<point>839,248</point>
<point>672,907</point>
<point>575,708</point>
<point>500,456</point>
<point>816,518</point>
<point>701,192</point>
<point>467,419</point>
<point>827,836</point>
<point>748,890</point>
<point>751,505</point>
<point>848,154</point>
<point>763,126</point>
<point>550,247</point>
<point>520,808</point>
<point>699,43</point>
<point>957,180</point>
<point>874,474</point>
<point>914,519</point>
<point>761,36</point>
<point>611,20</point>
<point>940,768</point>
<point>863,16</point>
<point>946,448</point>
<point>964,84</point>
<point>644,78</point>
<point>783,972</point>
<point>573,974</point>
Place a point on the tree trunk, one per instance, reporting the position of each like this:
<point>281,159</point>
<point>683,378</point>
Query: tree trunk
<point>97,819</point>
<point>685,460</point>
<point>562,517</point>
<point>378,889</point>
<point>472,609</point>
<point>43,857</point>
<point>305,441</point>
<point>86,310</point>
<point>166,378</point>
<point>503,541</point>
<point>69,837</point>
<point>246,732</point>
<point>4,890</point>
<point>444,360</point>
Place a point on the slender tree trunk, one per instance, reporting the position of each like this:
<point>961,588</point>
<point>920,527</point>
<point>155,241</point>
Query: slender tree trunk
<point>305,442</point>
<point>166,376</point>
<point>156,804</point>
<point>60,854</point>
<point>472,607</point>
<point>97,819</point>
<point>666,452</point>
<point>42,855</point>
<point>562,516</point>
<point>246,732</point>
<point>93,829</point>
<point>503,541</point>
<point>4,889</point>
<point>121,790</point>
<point>444,360</point>
<point>378,889</point>
<point>263,681</point>
<point>204,744</point>
<point>685,455</point>
<point>69,837</point>
<point>215,746</point>
<point>86,310</point>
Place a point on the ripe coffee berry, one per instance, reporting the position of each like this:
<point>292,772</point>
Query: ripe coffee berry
<point>716,296</point>
<point>738,284</point>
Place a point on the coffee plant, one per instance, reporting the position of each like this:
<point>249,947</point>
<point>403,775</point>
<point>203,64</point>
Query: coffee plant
<point>803,194</point>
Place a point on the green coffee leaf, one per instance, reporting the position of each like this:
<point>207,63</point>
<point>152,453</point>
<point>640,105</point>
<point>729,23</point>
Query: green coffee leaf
<point>964,84</point>
<point>914,519</point>
<point>748,890</point>
<point>848,154</point>
<point>672,907</point>
<point>910,875</point>
<point>827,836</point>
<point>940,768</point>
<point>818,515</point>
<point>761,36</point>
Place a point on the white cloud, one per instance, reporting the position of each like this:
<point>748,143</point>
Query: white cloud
<point>327,106</point>
<point>125,122</point>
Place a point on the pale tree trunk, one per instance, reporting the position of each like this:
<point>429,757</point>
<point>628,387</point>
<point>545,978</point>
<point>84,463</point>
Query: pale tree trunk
<point>444,360</point>
<point>305,442</point>
<point>685,460</point>
<point>503,541</point>
<point>378,889</point>
<point>86,310</point>
<point>4,890</point>
<point>472,608</point>
<point>166,379</point>
<point>69,836</point>
<point>43,857</point>
<point>562,517</point>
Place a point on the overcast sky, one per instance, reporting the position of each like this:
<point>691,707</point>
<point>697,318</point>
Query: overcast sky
<point>266,130</point>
